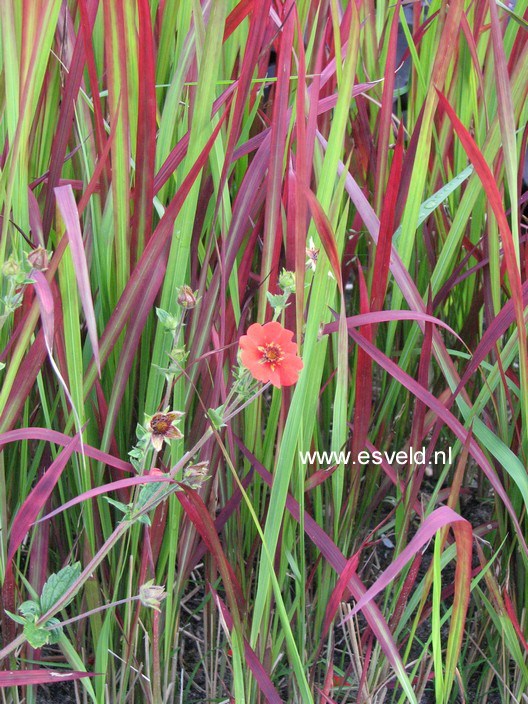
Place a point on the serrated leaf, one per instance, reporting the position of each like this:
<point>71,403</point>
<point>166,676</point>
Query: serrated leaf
<point>147,492</point>
<point>57,585</point>
<point>216,416</point>
<point>278,300</point>
<point>140,431</point>
<point>166,319</point>
<point>54,628</point>
<point>15,617</point>
<point>29,609</point>
<point>120,506</point>
<point>35,635</point>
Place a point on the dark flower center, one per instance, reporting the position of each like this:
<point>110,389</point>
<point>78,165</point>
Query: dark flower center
<point>160,424</point>
<point>271,354</point>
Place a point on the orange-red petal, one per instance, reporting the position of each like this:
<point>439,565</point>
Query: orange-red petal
<point>289,370</point>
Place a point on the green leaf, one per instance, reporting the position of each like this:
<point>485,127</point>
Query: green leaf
<point>166,319</point>
<point>16,618</point>
<point>29,609</point>
<point>217,417</point>
<point>54,628</point>
<point>427,207</point>
<point>57,585</point>
<point>146,494</point>
<point>278,300</point>
<point>120,506</point>
<point>35,635</point>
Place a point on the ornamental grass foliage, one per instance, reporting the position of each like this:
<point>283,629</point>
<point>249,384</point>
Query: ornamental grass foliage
<point>244,245</point>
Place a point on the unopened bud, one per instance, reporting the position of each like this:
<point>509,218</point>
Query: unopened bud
<point>179,354</point>
<point>195,474</point>
<point>287,281</point>
<point>186,297</point>
<point>11,267</point>
<point>38,259</point>
<point>151,595</point>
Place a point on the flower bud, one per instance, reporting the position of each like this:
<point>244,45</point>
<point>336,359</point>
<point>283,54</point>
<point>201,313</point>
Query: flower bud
<point>287,281</point>
<point>38,259</point>
<point>11,267</point>
<point>186,297</point>
<point>179,354</point>
<point>195,474</point>
<point>151,595</point>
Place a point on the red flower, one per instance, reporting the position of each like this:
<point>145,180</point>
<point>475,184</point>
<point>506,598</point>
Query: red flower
<point>270,355</point>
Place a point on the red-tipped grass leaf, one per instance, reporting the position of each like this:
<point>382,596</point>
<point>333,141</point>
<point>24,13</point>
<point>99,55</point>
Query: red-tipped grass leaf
<point>492,192</point>
<point>450,420</point>
<point>383,249</point>
<point>513,618</point>
<point>146,135</point>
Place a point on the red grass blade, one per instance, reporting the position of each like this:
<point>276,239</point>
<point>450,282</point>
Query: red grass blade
<point>35,501</point>
<point>106,489</point>
<point>146,136</point>
<point>237,16</point>
<point>337,593</point>
<point>279,131</point>
<point>362,408</point>
<point>384,316</point>
<point>74,77</point>
<point>101,164</point>
<point>45,299</point>
<point>386,113</point>
<point>301,180</point>
<point>437,520</point>
<point>86,27</point>
<point>68,209</point>
<point>198,514</point>
<point>447,417</point>
<point>488,182</point>
<point>383,251</point>
<point>324,228</point>
<point>61,439</point>
<point>17,678</point>
<point>513,618</point>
